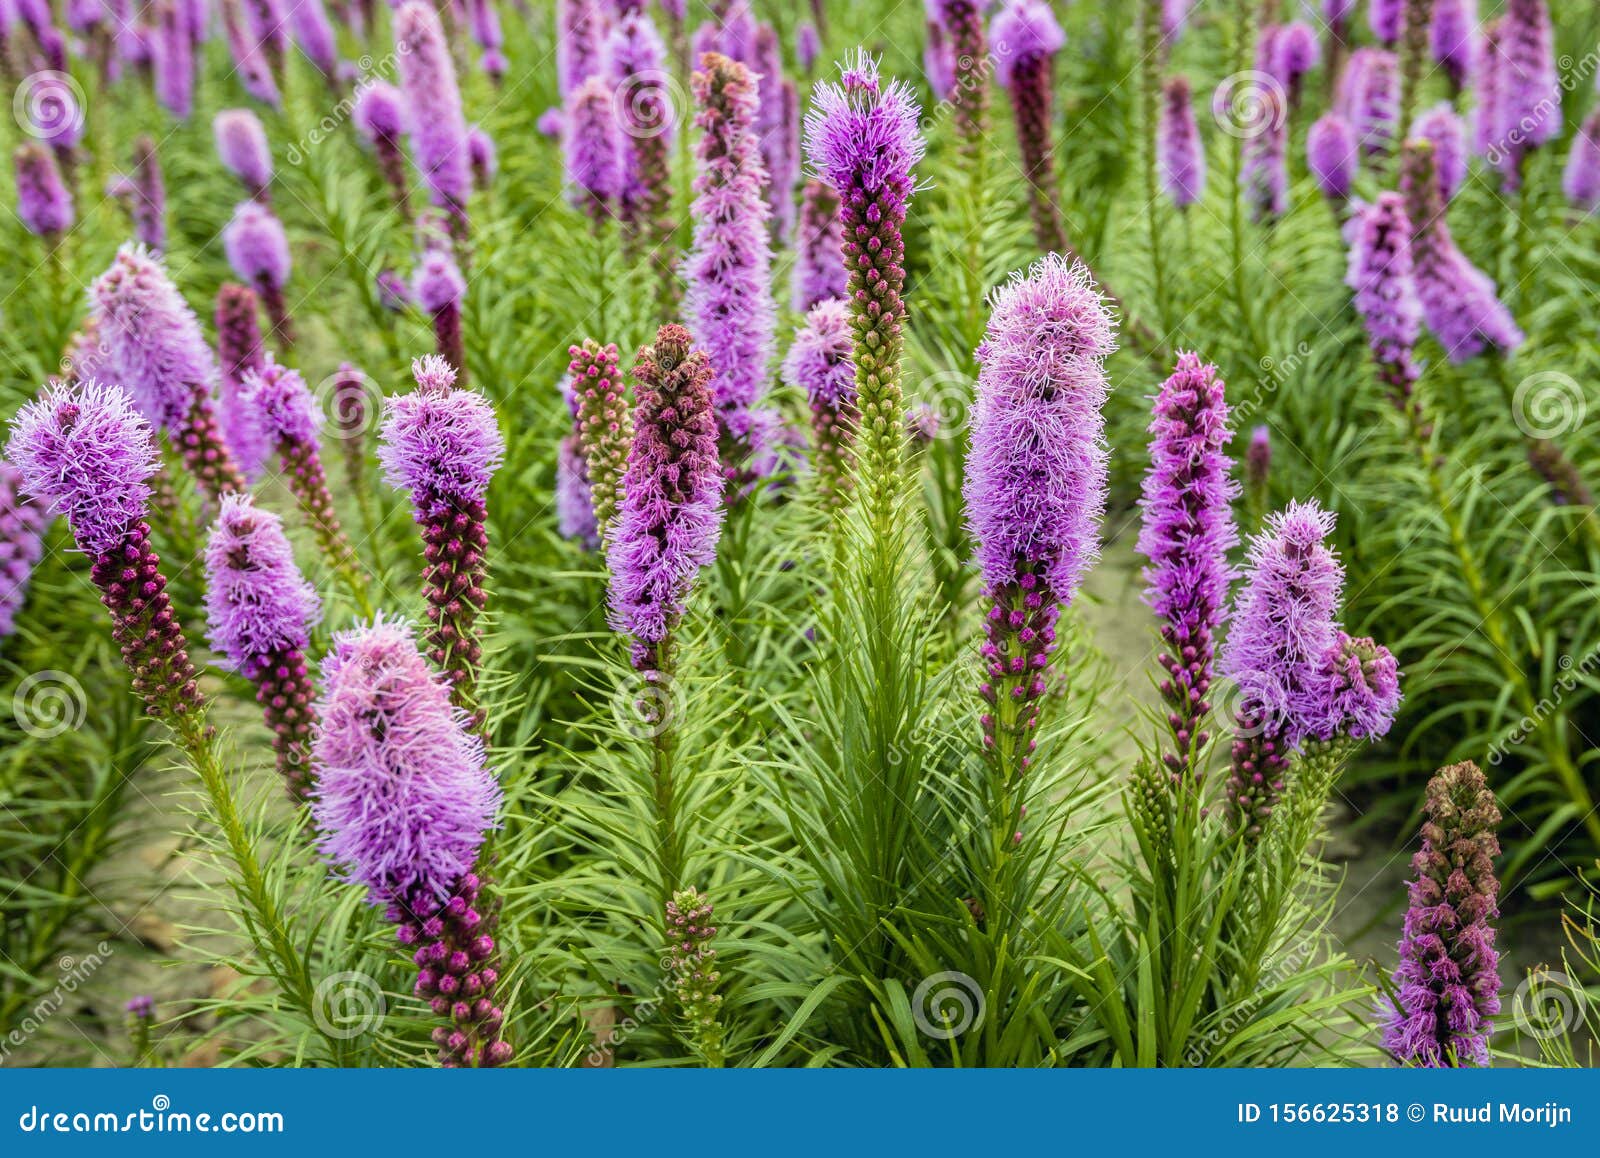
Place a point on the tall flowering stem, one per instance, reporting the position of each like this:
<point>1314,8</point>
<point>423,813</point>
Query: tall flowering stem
<point>149,342</point>
<point>287,416</point>
<point>261,612</point>
<point>1187,534</point>
<point>1035,487</point>
<point>1182,158</point>
<point>439,290</point>
<point>443,445</point>
<point>666,530</point>
<point>1284,622</point>
<point>646,120</point>
<point>352,423</point>
<point>258,250</point>
<point>729,303</point>
<point>819,363</point>
<point>405,802</point>
<point>604,426</point>
<point>819,272</point>
<point>862,139</point>
<point>1448,980</point>
<point>379,114</point>
<point>962,23</point>
<point>1026,38</point>
<point>691,961</point>
<point>438,126</point>
<point>1385,297</point>
<point>1416,25</point>
<point>240,351</point>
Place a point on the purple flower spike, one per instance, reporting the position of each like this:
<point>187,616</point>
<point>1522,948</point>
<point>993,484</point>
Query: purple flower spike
<point>43,202</point>
<point>1385,18</point>
<point>1528,113</point>
<point>1440,126</point>
<point>670,516</point>
<point>404,798</point>
<point>1581,181</point>
<point>1454,38</point>
<point>819,363</point>
<point>1021,30</point>
<point>1187,533</point>
<point>1459,302</point>
<point>240,352</point>
<point>961,22</point>
<point>593,148</point>
<point>485,159</point>
<point>1448,981</point>
<point>1183,160</point>
<point>1285,620</point>
<point>1359,691</point>
<point>807,47</point>
<point>1295,53</point>
<point>313,32</point>
<point>144,194</point>
<point>149,342</point>
<point>22,526</point>
<point>380,117</point>
<point>439,289</point>
<point>258,251</point>
<point>1035,481</point>
<point>438,128</point>
<point>1369,98</point>
<point>85,452</point>
<point>1490,86</point>
<point>251,55</point>
<point>939,61</point>
<point>443,445</point>
<point>819,272</point>
<point>580,42</point>
<point>261,611</point>
<point>172,60</point>
<point>729,303</point>
<point>1380,273</point>
<point>1025,38</point>
<point>647,123</point>
<point>242,147</point>
<point>1332,155</point>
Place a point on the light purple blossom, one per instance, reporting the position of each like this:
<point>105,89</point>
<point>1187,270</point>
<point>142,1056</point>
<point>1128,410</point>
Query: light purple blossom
<point>1444,129</point>
<point>1183,159</point>
<point>1332,155</point>
<point>441,443</point>
<point>256,245</point>
<point>257,602</point>
<point>44,203</point>
<point>438,127</point>
<point>22,526</point>
<point>242,147</point>
<point>1581,181</point>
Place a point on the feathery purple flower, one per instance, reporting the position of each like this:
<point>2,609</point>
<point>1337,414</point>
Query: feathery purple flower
<point>438,289</point>
<point>380,117</point>
<point>1035,486</point>
<point>1528,110</point>
<point>438,127</point>
<point>1359,691</point>
<point>581,31</point>
<point>729,303</point>
<point>1183,160</point>
<point>1295,53</point>
<point>84,452</point>
<point>819,363</point>
<point>242,148</point>
<point>313,32</point>
<point>1380,273</point>
<point>260,611</point>
<point>1581,180</point>
<point>22,526</point>
<point>1443,128</point>
<point>1332,155</point>
<point>1448,981</point>
<point>240,351</point>
<point>1187,532</point>
<point>647,124</point>
<point>1454,38</point>
<point>172,63</point>
<point>592,145</point>
<point>819,272</point>
<point>1459,302</point>
<point>258,251</point>
<point>670,515</point>
<point>1369,98</point>
<point>251,56</point>
<point>44,204</point>
<point>1385,18</point>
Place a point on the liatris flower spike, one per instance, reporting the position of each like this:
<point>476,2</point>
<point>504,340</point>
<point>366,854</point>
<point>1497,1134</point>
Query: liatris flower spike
<point>1380,273</point>
<point>1454,39</point>
<point>288,417</point>
<point>172,62</point>
<point>580,42</point>
<point>250,55</point>
<point>1332,155</point>
<point>438,289</point>
<point>145,195</point>
<point>1183,160</point>
<point>1448,981</point>
<point>862,138</point>
<point>691,969</point>
<point>819,272</point>
<point>1258,464</point>
<point>729,303</point>
<point>443,445</point>
<point>1581,181</point>
<point>84,452</point>
<point>574,505</point>
<point>819,363</point>
<point>962,24</point>
<point>1024,39</point>
<point>604,426</point>
<point>593,150</point>
<point>670,514</point>
<point>44,204</point>
<point>261,612</point>
<point>1359,691</point>
<point>1528,112</point>
<point>647,123</point>
<point>1441,127</point>
<point>240,351</point>
<point>1035,483</point>
<point>404,801</point>
<point>149,342</point>
<point>1283,623</point>
<point>1295,53</point>
<point>258,251</point>
<point>242,147</point>
<point>21,544</point>
<point>1187,533</point>
<point>380,117</point>
<point>438,127</point>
